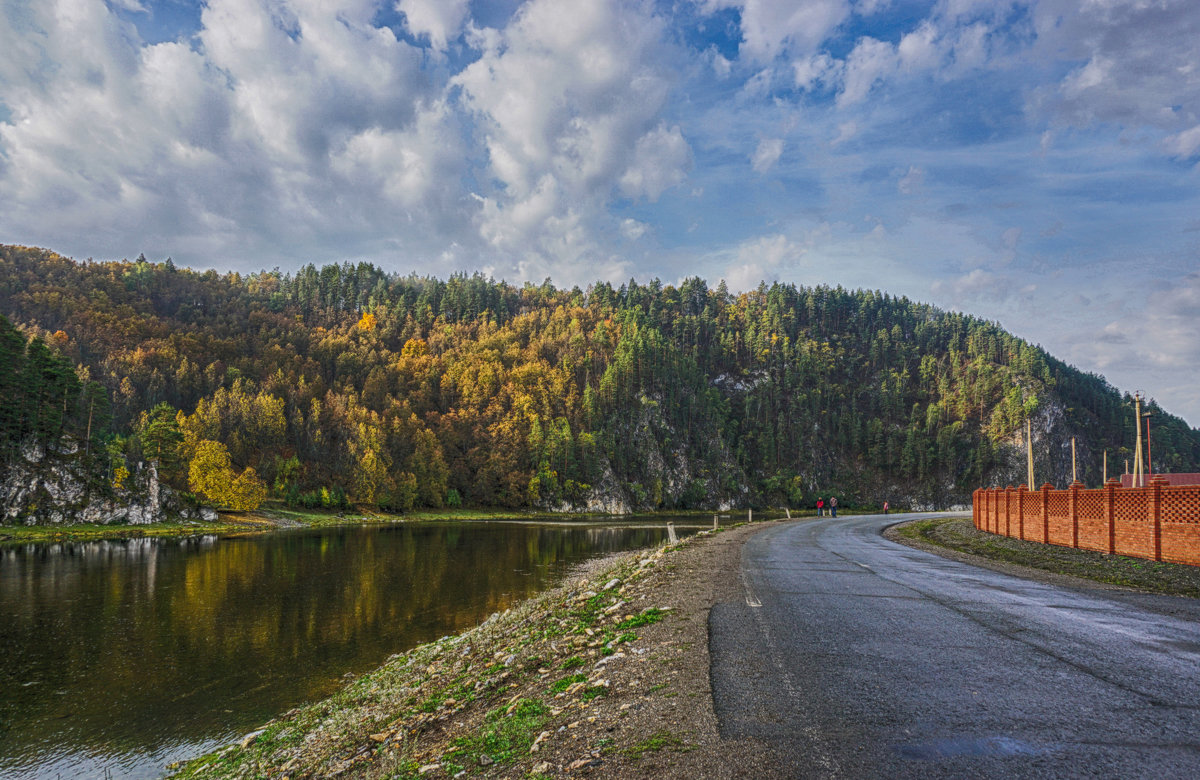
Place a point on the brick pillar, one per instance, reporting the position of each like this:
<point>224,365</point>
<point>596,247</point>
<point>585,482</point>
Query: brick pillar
<point>1154,498</point>
<point>1008,491</point>
<point>1021,511</point>
<point>1110,511</point>
<point>1046,512</point>
<point>1072,503</point>
<point>975,496</point>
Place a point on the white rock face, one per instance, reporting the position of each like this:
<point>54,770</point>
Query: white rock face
<point>53,486</point>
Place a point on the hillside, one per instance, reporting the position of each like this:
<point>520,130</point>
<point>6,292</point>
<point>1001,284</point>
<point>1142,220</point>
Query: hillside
<point>347,384</point>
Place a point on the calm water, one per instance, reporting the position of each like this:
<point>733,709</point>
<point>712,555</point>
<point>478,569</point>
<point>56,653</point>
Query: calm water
<point>119,657</point>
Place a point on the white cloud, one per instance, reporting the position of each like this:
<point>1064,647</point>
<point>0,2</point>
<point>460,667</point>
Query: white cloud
<point>1156,330</point>
<point>283,126</point>
<point>568,101</point>
<point>761,259</point>
<point>978,285</point>
<point>846,131</point>
<point>440,20</point>
<point>767,154</point>
<point>721,66</point>
<point>660,161</point>
<point>911,181</point>
<point>632,229</point>
<point>870,62</point>
<point>819,69</point>
<point>1139,65</point>
<point>1185,144</point>
<point>772,27</point>
<point>918,50</point>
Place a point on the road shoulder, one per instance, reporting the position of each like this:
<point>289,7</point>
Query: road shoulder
<point>1163,587</point>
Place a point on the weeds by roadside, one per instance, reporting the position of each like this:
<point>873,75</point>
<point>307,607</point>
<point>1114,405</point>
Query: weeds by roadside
<point>960,534</point>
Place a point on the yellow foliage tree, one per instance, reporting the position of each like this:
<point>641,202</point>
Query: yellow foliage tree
<point>247,491</point>
<point>211,475</point>
<point>367,322</point>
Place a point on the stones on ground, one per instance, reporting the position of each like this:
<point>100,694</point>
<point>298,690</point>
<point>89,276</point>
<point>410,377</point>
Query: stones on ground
<point>607,659</point>
<point>251,738</point>
<point>502,665</point>
<point>485,760</point>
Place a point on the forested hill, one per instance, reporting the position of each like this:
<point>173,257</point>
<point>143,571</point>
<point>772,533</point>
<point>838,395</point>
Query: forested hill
<point>345,383</point>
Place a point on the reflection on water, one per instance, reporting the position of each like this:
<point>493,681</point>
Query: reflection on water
<point>121,656</point>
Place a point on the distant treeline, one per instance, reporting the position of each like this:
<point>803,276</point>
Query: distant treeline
<point>348,384</point>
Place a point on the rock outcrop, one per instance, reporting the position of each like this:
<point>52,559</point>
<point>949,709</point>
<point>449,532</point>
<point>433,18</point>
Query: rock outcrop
<point>58,484</point>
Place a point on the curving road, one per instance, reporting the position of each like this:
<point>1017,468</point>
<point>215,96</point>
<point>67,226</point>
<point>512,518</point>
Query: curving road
<point>854,656</point>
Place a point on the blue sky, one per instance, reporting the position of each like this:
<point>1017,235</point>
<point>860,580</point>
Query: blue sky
<point>1034,163</point>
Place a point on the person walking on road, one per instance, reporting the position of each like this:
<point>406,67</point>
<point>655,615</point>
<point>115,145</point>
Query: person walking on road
<point>885,507</point>
<point>833,506</point>
<point>820,507</point>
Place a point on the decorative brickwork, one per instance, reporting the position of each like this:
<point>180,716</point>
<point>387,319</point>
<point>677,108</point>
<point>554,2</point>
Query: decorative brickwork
<point>1159,522</point>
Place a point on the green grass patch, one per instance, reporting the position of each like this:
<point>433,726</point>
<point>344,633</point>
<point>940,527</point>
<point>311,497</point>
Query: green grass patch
<point>960,534</point>
<point>574,662</point>
<point>593,692</point>
<point>503,738</point>
<point>655,742</point>
<point>567,682</point>
<point>646,618</point>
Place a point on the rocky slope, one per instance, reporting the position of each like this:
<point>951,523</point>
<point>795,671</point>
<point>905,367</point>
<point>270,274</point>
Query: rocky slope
<point>607,676</point>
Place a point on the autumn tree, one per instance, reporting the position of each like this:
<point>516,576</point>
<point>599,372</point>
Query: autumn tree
<point>211,475</point>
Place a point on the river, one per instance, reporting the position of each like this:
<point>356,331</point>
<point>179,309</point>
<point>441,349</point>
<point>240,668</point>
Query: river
<point>118,657</point>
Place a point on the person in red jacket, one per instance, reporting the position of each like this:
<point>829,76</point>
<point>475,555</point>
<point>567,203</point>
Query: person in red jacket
<point>820,507</point>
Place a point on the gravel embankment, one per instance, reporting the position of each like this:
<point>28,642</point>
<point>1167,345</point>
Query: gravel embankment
<point>605,677</point>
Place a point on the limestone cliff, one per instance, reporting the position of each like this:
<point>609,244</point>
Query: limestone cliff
<point>58,484</point>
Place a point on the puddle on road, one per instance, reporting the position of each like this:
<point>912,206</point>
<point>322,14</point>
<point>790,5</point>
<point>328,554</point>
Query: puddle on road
<point>956,747</point>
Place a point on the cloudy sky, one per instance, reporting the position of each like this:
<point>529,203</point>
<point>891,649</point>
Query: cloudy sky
<point>1034,163</point>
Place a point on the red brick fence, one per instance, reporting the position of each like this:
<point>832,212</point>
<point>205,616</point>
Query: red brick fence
<point>1160,521</point>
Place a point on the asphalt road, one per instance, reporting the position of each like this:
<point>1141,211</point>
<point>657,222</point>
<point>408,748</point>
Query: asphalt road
<point>854,656</point>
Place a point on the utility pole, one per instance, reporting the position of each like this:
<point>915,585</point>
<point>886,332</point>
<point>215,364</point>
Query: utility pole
<point>1149,459</point>
<point>1074,472</point>
<point>1029,451</point>
<point>1138,475</point>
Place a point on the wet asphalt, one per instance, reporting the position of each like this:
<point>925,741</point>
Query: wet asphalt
<point>857,657</point>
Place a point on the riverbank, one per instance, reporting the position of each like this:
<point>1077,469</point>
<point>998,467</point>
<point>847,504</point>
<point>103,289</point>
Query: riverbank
<point>275,518</point>
<point>605,676</point>
<point>959,538</point>
<point>238,523</point>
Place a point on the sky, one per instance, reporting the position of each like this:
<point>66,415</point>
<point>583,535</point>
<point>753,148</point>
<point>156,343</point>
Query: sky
<point>1035,163</point>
